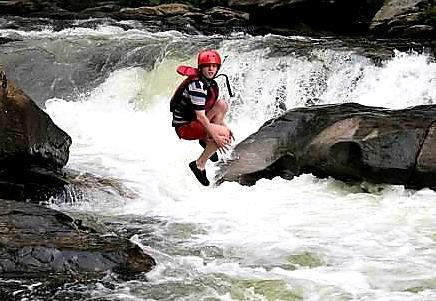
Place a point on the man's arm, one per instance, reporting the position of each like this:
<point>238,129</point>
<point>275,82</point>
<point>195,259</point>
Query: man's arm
<point>221,141</point>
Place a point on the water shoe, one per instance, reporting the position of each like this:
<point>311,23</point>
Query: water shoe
<point>199,174</point>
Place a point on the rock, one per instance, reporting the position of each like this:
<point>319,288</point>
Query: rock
<point>404,17</point>
<point>395,9</point>
<point>33,149</point>
<point>349,142</point>
<point>5,40</point>
<point>309,15</point>
<point>109,8</point>
<point>176,9</point>
<point>418,31</point>
<point>148,10</point>
<point>27,134</point>
<point>252,4</point>
<point>37,241</point>
<point>223,13</point>
<point>18,7</point>
<point>167,10</point>
<point>393,17</point>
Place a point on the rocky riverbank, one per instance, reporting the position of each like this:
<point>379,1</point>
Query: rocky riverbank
<point>36,242</point>
<point>394,18</point>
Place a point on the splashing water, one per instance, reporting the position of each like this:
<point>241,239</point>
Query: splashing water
<point>305,239</point>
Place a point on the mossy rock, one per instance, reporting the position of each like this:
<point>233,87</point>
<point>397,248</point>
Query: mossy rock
<point>305,259</point>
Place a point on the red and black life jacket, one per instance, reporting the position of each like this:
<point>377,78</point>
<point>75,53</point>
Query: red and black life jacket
<point>193,74</point>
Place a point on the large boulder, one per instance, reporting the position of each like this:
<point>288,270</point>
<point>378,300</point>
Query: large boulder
<point>27,134</point>
<point>33,149</point>
<point>37,241</point>
<point>349,141</point>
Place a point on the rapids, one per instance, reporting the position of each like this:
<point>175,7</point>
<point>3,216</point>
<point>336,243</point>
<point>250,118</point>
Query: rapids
<point>108,87</point>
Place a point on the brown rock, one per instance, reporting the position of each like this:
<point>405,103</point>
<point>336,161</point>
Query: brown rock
<point>27,134</point>
<point>174,9</point>
<point>146,10</point>
<point>168,10</point>
<point>33,149</point>
<point>223,13</point>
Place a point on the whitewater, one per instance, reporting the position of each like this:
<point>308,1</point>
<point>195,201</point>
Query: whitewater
<point>305,239</point>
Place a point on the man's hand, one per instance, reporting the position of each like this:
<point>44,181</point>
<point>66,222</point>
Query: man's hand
<point>221,134</point>
<point>220,137</point>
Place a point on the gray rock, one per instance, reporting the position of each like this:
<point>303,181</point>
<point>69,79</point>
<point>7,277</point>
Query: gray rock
<point>403,18</point>
<point>35,240</point>
<point>223,13</point>
<point>350,142</point>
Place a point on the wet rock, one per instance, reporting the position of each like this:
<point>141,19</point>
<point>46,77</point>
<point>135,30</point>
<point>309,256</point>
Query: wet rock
<point>18,7</point>
<point>5,40</point>
<point>168,10</point>
<point>350,142</point>
<point>223,13</point>
<point>405,18</point>
<point>183,17</point>
<point>28,135</point>
<point>32,148</point>
<point>175,9</point>
<point>37,241</point>
<point>102,10</point>
<point>152,11</point>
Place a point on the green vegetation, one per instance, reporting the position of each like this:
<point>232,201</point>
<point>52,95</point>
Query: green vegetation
<point>428,16</point>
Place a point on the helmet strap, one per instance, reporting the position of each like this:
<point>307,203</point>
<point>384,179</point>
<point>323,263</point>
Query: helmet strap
<point>229,89</point>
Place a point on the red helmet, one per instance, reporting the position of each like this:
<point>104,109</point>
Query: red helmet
<point>209,57</point>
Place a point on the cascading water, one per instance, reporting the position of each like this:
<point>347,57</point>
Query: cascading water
<point>305,239</point>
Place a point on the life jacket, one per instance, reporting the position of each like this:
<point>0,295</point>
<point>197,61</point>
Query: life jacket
<point>193,74</point>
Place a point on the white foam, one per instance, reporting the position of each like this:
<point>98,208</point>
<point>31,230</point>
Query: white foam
<point>371,246</point>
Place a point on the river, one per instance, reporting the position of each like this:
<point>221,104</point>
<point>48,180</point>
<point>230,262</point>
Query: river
<point>108,86</point>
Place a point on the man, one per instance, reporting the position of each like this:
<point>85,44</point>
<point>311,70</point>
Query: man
<point>198,114</point>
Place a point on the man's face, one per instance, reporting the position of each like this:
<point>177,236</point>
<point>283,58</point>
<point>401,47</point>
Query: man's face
<point>209,70</point>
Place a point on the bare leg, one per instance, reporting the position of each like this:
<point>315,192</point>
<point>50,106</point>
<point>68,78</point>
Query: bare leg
<point>218,112</point>
<point>211,146</point>
<point>210,149</point>
<point>216,116</point>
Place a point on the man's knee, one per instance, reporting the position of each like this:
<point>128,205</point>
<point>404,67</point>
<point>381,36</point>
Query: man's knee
<point>222,106</point>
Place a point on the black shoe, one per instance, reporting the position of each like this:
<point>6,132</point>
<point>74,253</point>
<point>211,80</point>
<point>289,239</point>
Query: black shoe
<point>214,157</point>
<point>199,174</point>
